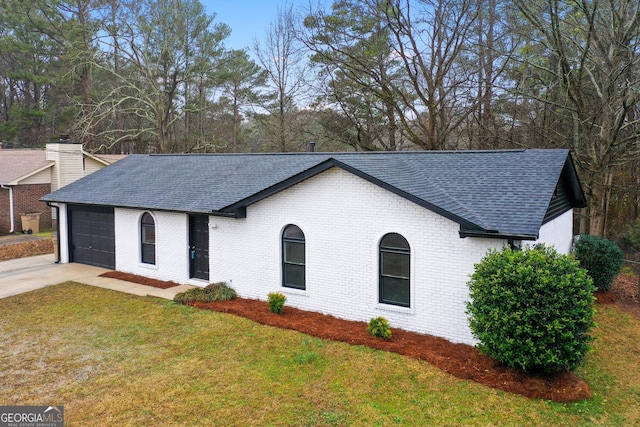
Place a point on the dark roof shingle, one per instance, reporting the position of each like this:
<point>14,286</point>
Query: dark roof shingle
<point>504,192</point>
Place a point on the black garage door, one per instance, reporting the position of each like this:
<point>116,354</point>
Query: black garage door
<point>91,236</point>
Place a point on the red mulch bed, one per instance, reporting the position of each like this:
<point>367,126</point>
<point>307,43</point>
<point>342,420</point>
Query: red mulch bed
<point>460,360</point>
<point>139,279</point>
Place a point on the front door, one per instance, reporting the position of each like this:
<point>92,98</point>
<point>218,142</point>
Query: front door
<point>199,246</point>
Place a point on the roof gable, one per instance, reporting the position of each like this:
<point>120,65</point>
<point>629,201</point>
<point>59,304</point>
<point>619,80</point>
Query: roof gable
<point>493,193</point>
<point>18,164</point>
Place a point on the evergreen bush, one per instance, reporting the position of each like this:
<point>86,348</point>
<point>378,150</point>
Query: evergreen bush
<point>532,309</point>
<point>276,302</point>
<point>601,258</point>
<point>214,292</point>
<point>379,327</point>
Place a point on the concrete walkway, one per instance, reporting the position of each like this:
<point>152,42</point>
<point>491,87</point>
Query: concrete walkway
<point>27,274</point>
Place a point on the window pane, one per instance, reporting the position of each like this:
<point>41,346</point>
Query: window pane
<point>148,234</point>
<point>147,219</point>
<point>294,252</point>
<point>395,264</point>
<point>293,232</point>
<point>294,276</point>
<point>395,291</point>
<point>394,240</point>
<point>148,254</point>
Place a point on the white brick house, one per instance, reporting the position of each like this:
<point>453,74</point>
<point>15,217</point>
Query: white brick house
<point>364,239</point>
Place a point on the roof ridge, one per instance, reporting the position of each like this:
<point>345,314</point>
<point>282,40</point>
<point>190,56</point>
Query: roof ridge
<point>344,153</point>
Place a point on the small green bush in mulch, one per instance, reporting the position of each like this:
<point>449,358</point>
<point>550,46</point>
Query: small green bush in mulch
<point>379,327</point>
<point>214,292</point>
<point>276,302</point>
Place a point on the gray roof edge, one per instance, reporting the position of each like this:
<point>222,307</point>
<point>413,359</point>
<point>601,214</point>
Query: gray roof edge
<point>130,206</point>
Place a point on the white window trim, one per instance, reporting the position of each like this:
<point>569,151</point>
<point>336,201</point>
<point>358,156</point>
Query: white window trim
<point>380,306</point>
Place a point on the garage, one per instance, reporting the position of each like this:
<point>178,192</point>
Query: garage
<point>92,236</point>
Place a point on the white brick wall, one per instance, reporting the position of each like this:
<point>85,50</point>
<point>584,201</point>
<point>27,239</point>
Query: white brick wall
<point>557,232</point>
<point>343,218</point>
<point>172,244</point>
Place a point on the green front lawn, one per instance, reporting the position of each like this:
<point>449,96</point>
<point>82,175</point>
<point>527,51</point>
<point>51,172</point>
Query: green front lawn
<point>117,359</point>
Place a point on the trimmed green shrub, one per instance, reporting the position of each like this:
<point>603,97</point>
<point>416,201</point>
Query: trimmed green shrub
<point>276,302</point>
<point>221,291</point>
<point>379,327</point>
<point>214,292</point>
<point>601,258</point>
<point>532,309</point>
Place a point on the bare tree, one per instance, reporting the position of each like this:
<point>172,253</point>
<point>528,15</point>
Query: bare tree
<point>283,57</point>
<point>431,42</point>
<point>407,54</point>
<point>161,47</point>
<point>595,46</point>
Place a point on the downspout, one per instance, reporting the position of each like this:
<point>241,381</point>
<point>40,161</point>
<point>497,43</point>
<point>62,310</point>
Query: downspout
<point>10,188</point>
<point>57,208</point>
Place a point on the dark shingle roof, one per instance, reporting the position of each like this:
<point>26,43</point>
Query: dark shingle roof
<point>504,193</point>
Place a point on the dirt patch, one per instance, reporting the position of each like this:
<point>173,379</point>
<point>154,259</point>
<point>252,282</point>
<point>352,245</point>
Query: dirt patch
<point>162,284</point>
<point>26,249</point>
<point>460,360</point>
<point>605,297</point>
<point>626,287</point>
<point>623,293</point>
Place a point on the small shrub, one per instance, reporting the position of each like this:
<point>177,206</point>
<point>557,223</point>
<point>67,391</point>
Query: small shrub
<point>532,309</point>
<point>214,292</point>
<point>379,327</point>
<point>276,302</point>
<point>601,258</point>
<point>221,291</point>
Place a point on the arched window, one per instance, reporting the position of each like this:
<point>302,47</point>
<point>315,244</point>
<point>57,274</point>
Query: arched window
<point>395,269</point>
<point>293,258</point>
<point>148,238</point>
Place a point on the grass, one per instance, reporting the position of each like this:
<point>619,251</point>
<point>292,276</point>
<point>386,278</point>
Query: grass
<point>117,359</point>
<point>47,234</point>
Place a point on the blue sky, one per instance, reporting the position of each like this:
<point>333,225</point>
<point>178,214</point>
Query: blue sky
<point>248,19</point>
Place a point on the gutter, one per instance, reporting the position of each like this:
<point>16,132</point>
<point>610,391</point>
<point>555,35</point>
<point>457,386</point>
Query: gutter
<point>11,215</point>
<point>496,235</point>
<point>57,208</point>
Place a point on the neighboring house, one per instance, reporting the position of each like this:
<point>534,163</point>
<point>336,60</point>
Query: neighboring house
<point>28,174</point>
<point>355,235</point>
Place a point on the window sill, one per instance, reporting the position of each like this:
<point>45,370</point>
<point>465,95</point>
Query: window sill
<point>148,266</point>
<point>395,308</point>
<point>294,291</point>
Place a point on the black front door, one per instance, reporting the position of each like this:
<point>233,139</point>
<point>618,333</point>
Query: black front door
<point>199,246</point>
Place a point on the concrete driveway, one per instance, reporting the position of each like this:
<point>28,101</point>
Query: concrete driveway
<point>27,274</point>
